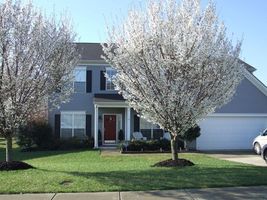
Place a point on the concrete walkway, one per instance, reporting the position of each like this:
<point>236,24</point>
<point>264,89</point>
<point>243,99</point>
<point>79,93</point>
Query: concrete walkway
<point>242,157</point>
<point>235,193</point>
<point>110,152</point>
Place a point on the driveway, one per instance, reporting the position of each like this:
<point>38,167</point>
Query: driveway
<point>241,157</point>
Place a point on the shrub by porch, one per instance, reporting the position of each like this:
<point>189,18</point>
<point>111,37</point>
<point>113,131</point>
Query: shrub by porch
<point>152,146</point>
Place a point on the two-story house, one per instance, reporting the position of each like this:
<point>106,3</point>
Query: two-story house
<point>98,111</point>
<point>95,108</point>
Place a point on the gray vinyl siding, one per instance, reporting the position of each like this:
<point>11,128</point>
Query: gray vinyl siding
<point>247,99</point>
<point>83,101</point>
<point>96,78</point>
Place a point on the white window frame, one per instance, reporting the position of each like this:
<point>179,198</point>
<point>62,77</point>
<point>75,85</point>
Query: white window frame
<point>81,68</point>
<point>109,80</point>
<point>151,127</point>
<point>72,113</point>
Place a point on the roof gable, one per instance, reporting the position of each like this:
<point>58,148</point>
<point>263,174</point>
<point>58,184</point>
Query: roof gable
<point>256,82</point>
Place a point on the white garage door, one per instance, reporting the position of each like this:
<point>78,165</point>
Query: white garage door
<point>229,132</point>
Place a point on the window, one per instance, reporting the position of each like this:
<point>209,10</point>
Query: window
<point>80,79</point>
<point>150,130</point>
<point>73,124</point>
<point>110,73</point>
<point>66,125</point>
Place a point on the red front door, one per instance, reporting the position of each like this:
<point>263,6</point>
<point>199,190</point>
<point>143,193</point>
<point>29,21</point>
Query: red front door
<point>110,127</point>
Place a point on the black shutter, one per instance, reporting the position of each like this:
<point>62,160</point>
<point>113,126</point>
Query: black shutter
<point>57,126</point>
<point>102,80</point>
<point>136,123</point>
<point>88,125</point>
<point>89,81</point>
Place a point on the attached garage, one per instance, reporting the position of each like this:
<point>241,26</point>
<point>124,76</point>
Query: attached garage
<point>236,124</point>
<point>230,132</point>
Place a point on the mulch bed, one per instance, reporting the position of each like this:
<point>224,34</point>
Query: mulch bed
<point>174,163</point>
<point>14,165</point>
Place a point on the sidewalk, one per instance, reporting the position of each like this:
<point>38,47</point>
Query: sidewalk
<point>235,193</point>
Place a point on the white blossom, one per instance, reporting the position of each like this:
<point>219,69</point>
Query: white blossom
<point>37,58</point>
<point>175,62</point>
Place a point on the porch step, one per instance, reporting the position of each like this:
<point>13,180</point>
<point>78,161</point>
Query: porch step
<point>108,146</point>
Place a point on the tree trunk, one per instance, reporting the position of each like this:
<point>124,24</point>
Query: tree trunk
<point>174,148</point>
<point>9,148</point>
<point>185,145</point>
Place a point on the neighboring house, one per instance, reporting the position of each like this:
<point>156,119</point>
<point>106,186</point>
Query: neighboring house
<point>98,111</point>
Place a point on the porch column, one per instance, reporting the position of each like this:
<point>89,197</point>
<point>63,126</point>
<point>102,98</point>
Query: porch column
<point>96,127</point>
<point>128,123</point>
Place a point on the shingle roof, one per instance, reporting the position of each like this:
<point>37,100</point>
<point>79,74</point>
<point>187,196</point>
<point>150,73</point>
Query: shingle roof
<point>109,96</point>
<point>90,51</point>
<point>93,51</point>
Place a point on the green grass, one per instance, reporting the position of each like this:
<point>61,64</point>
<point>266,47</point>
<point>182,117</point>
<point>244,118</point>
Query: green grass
<point>86,171</point>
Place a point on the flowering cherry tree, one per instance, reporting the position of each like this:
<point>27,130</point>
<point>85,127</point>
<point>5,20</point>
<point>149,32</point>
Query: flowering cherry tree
<point>175,64</point>
<point>37,55</point>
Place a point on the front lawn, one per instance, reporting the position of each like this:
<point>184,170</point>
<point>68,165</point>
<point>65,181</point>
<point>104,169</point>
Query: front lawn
<point>84,171</point>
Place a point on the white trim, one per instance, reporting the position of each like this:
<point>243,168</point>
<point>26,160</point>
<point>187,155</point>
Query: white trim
<point>84,69</point>
<point>125,124</point>
<point>109,141</point>
<point>72,113</point>
<point>128,122</point>
<point>118,117</point>
<point>238,115</point>
<point>256,82</point>
<point>91,63</point>
<point>96,127</point>
<point>112,104</point>
<point>152,129</point>
<point>109,68</point>
<point>81,67</point>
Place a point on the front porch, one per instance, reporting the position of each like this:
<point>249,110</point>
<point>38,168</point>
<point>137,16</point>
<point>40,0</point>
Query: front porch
<point>112,120</point>
<point>115,120</point>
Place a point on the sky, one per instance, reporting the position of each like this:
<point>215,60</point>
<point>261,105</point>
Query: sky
<point>245,19</point>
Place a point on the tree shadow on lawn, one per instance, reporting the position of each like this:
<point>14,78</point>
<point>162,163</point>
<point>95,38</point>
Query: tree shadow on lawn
<point>174,178</point>
<point>18,155</point>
